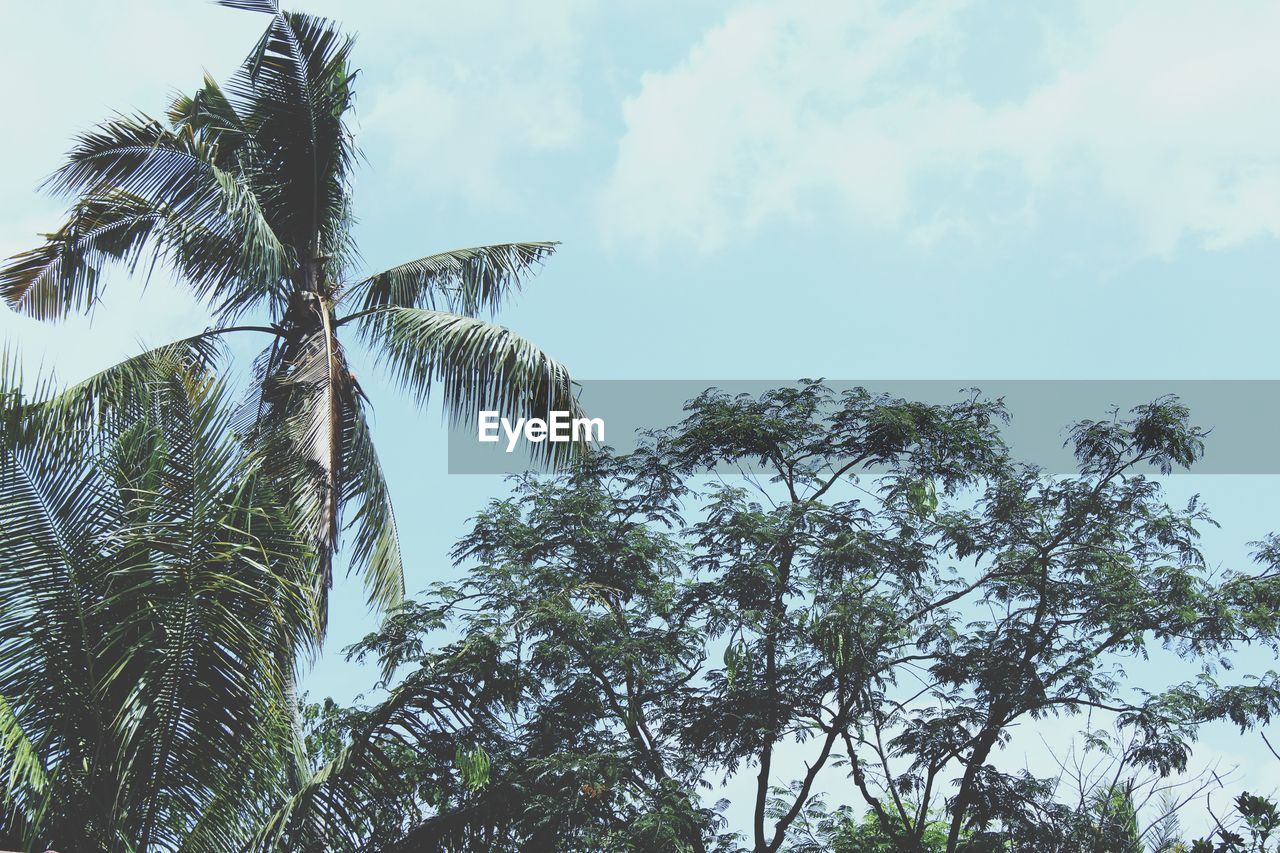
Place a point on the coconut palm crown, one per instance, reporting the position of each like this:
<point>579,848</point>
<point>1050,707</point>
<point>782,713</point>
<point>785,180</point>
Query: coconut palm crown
<point>154,601</point>
<point>244,191</point>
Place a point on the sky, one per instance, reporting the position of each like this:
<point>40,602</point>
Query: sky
<point>747,190</point>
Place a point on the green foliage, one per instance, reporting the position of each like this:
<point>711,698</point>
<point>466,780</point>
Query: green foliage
<point>473,767</point>
<point>244,189</point>
<point>630,631</point>
<point>1166,832</point>
<point>1113,827</point>
<point>1257,829</point>
<point>154,599</point>
<point>867,836</point>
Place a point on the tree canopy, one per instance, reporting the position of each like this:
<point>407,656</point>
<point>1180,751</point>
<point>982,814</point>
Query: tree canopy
<point>869,617</point>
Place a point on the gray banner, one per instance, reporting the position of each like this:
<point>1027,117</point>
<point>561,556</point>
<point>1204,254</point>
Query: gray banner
<point>1241,415</point>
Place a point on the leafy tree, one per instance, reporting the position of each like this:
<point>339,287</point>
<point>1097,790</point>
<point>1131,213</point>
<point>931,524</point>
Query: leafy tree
<point>867,836</point>
<point>1166,832</point>
<point>153,600</point>
<point>1114,823</point>
<point>885,603</point>
<point>244,191</point>
<point>1259,820</point>
<point>569,763</point>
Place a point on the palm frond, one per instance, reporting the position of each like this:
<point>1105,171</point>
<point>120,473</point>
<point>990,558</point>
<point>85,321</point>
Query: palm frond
<point>304,414</point>
<point>155,600</point>
<point>297,417</point>
<point>53,507</point>
<point>293,91</point>
<point>464,281</point>
<point>139,184</point>
<point>271,7</point>
<point>474,365</point>
<point>327,397</point>
<point>210,114</point>
<point>422,714</point>
<point>110,397</point>
<point>24,779</point>
<point>375,543</point>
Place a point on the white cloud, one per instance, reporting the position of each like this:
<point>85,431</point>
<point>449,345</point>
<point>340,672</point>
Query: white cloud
<point>1165,114</point>
<point>470,88</point>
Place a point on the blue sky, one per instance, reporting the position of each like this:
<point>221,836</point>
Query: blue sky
<point>750,190</point>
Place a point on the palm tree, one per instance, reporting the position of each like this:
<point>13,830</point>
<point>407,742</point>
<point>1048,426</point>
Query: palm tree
<point>245,192</point>
<point>154,598</point>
